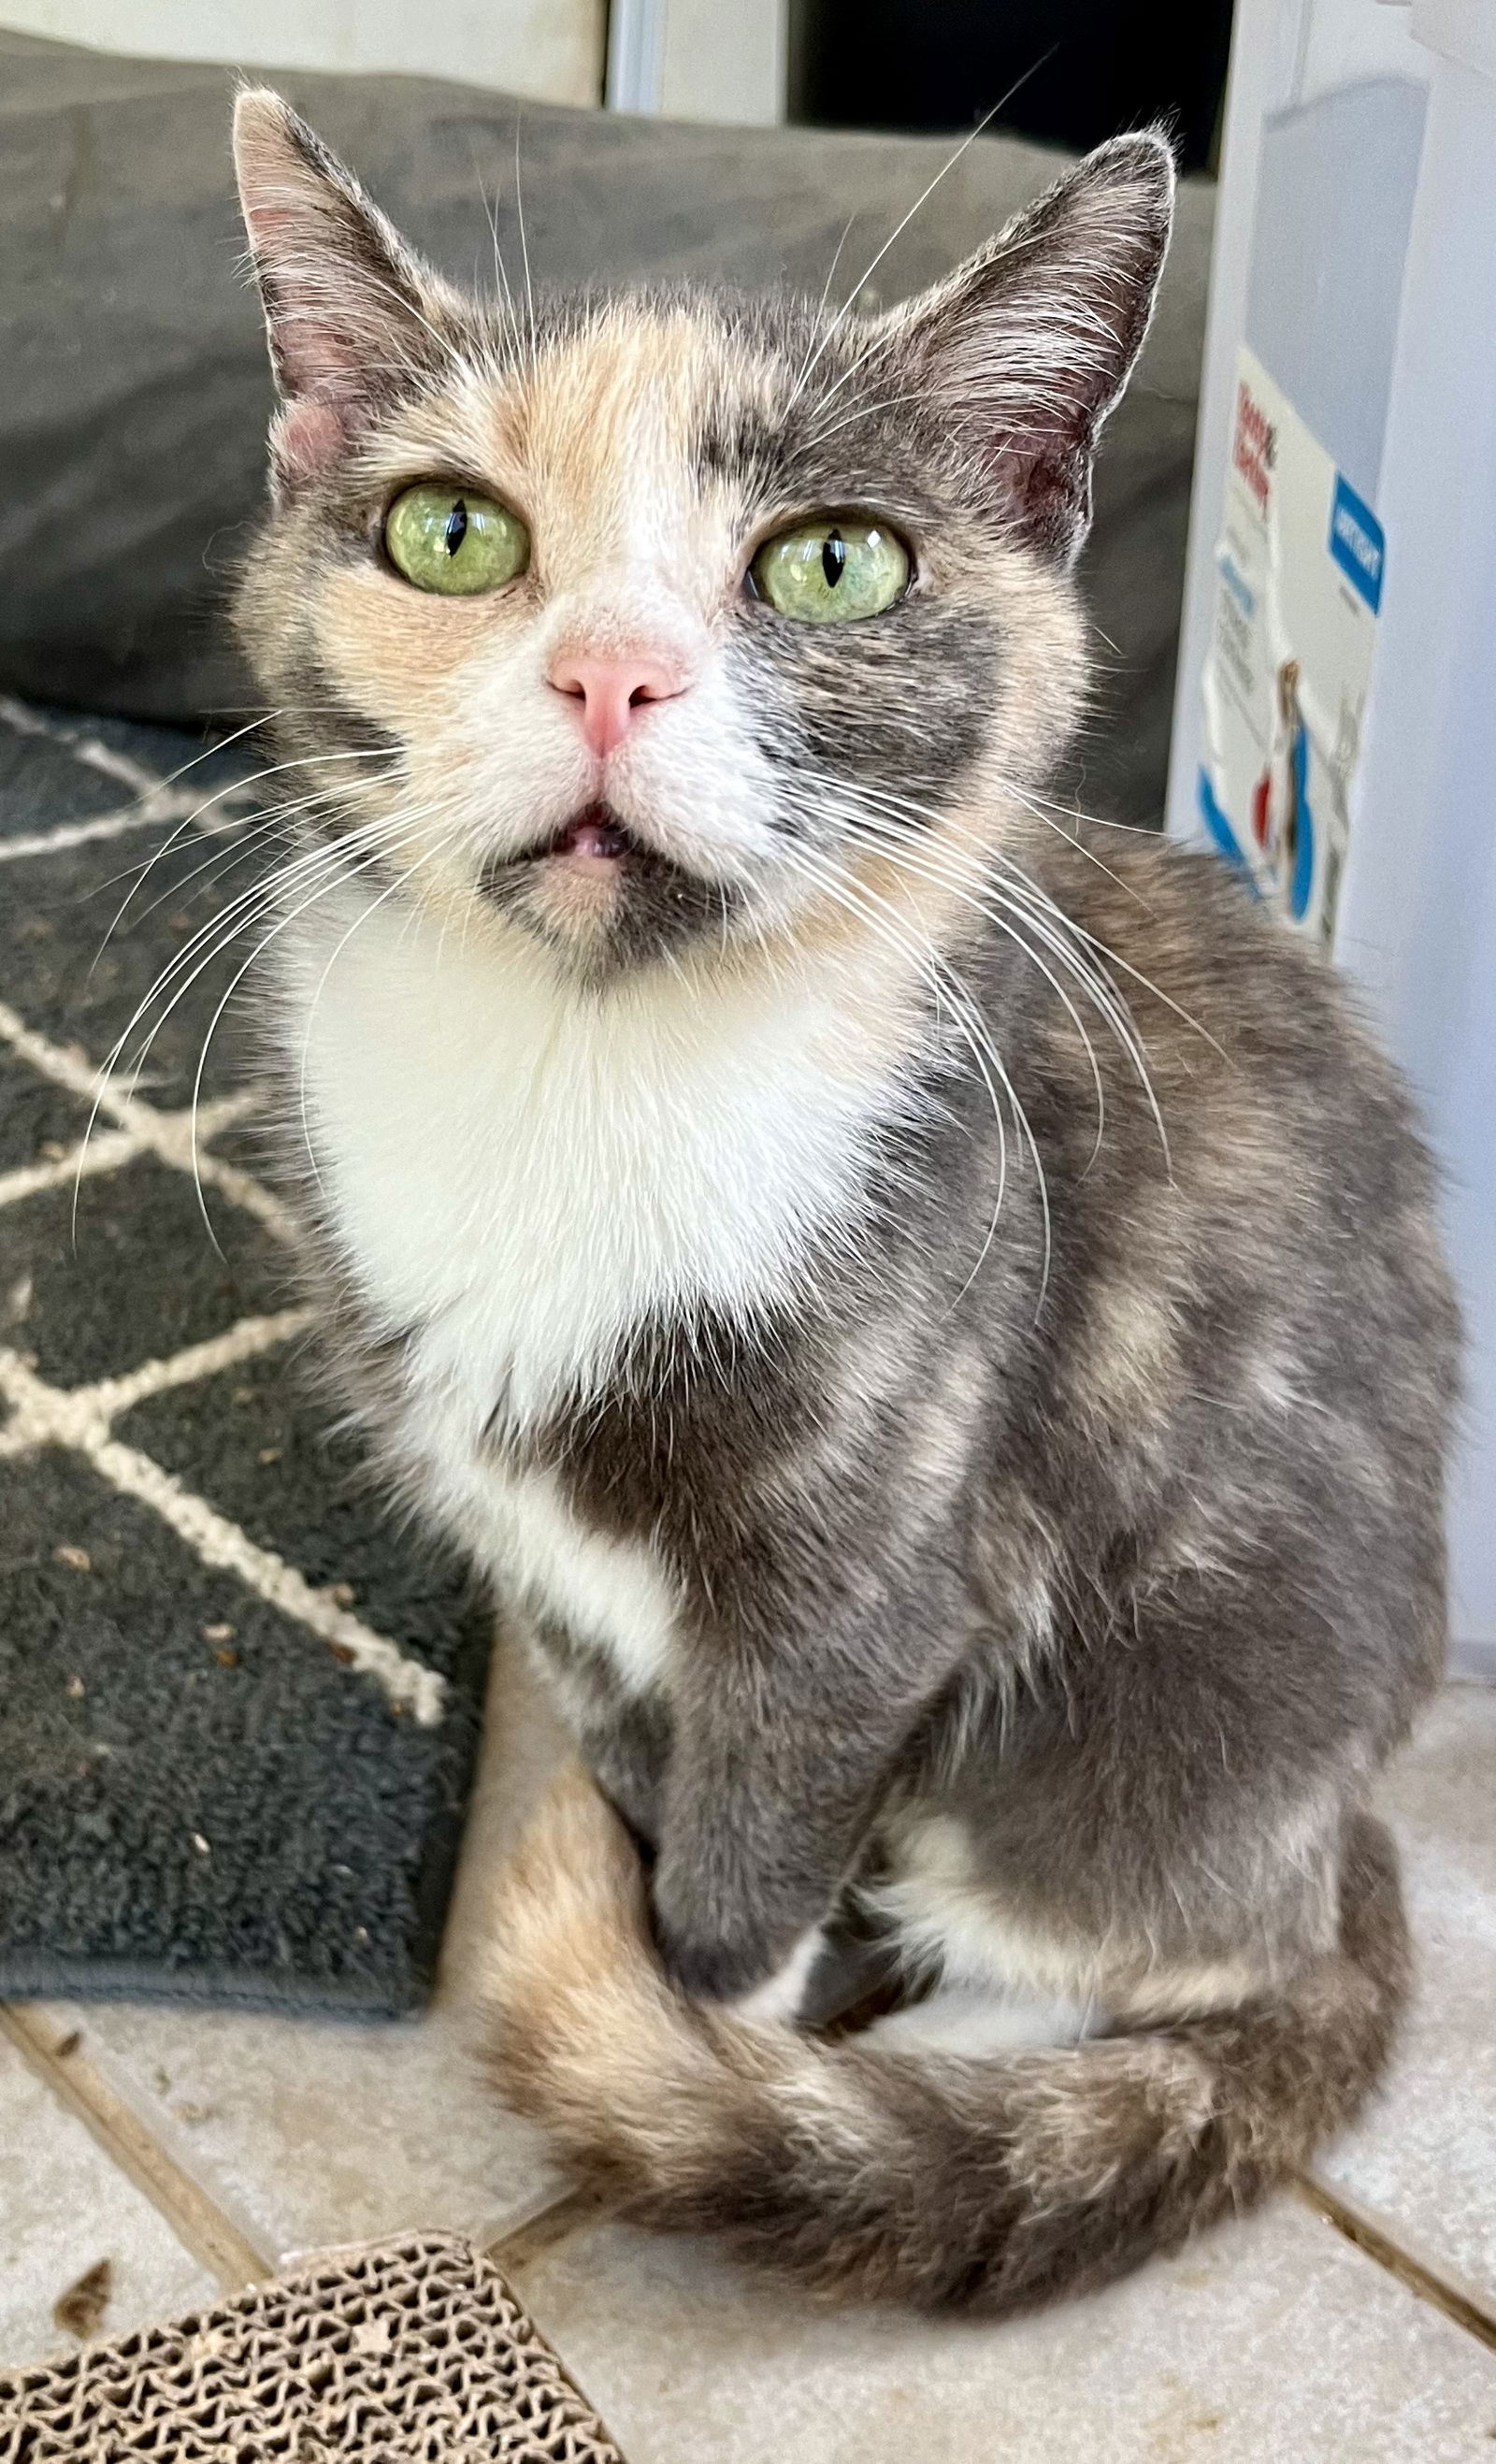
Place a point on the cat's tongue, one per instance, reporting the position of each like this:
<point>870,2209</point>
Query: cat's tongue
<point>593,837</point>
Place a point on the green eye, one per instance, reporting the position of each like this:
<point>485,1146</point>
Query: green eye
<point>825,572</point>
<point>452,541</point>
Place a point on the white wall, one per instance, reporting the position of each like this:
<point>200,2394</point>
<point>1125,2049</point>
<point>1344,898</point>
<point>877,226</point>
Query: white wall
<point>699,59</point>
<point>549,49</point>
<point>724,60</point>
<point>692,59</point>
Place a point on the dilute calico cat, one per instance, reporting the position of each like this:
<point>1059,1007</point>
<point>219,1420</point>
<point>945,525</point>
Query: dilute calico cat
<point>930,1308</point>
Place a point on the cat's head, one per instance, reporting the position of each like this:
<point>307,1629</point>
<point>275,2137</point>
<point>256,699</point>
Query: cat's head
<point>658,625</point>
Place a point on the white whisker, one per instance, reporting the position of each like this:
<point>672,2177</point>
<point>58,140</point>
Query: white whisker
<point>903,224</point>
<point>935,970</point>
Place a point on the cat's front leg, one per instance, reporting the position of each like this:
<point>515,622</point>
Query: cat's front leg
<point>778,1764</point>
<point>743,1883</point>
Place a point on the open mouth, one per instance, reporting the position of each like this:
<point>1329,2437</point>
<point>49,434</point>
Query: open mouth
<point>594,845</point>
<point>594,835</point>
<point>599,892</point>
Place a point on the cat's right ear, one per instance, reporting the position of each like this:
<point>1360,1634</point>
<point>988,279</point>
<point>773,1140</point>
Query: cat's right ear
<point>1025,348</point>
<point>347,306</point>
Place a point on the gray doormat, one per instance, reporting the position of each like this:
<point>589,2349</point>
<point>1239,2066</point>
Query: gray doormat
<point>413,2350</point>
<point>238,1707</point>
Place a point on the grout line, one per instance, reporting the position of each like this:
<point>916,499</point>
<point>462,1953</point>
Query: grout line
<point>574,2212</point>
<point>213,2240</point>
<point>44,1415</point>
<point>1465,2308</point>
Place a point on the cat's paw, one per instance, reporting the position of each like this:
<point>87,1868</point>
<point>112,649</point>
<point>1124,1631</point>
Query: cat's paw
<point>725,1932</point>
<point>710,1969</point>
<point>747,1972</point>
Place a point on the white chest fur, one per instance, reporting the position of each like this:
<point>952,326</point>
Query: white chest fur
<point>523,1174</point>
<point>614,1595</point>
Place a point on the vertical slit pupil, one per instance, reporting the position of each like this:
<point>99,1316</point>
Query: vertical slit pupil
<point>833,559</point>
<point>456,530</point>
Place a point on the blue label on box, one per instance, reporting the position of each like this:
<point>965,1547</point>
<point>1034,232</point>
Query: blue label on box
<point>1215,822</point>
<point>1356,543</point>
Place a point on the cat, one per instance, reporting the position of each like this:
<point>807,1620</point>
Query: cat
<point>930,1307</point>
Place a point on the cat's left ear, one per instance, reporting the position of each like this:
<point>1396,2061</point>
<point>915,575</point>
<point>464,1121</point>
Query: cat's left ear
<point>1027,346</point>
<point>348,308</point>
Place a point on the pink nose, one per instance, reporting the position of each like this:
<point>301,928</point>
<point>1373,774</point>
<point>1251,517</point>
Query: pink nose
<point>610,691</point>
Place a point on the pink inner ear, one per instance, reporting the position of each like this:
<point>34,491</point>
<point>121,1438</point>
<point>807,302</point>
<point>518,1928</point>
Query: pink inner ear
<point>307,436</point>
<point>273,228</point>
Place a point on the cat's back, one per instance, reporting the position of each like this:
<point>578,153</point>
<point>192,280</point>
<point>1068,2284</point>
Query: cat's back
<point>1262,1063</point>
<point>1247,1358</point>
<point>1251,1257</point>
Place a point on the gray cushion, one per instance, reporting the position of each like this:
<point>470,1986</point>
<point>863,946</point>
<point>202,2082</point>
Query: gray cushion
<point>135,393</point>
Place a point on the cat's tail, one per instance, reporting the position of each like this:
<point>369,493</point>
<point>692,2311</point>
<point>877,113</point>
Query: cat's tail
<point>992,2184</point>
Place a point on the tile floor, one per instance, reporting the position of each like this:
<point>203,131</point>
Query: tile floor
<point>194,2150</point>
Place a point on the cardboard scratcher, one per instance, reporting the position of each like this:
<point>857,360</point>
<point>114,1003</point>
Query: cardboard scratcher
<point>411,2350</point>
